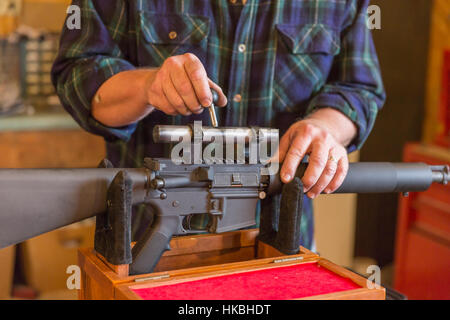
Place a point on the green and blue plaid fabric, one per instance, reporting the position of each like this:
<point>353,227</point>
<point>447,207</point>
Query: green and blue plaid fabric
<point>276,60</point>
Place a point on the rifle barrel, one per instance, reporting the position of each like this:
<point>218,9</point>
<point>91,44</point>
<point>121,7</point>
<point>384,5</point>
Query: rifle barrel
<point>383,177</point>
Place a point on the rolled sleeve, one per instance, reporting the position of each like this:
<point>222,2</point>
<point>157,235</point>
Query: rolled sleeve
<point>87,58</point>
<point>354,86</point>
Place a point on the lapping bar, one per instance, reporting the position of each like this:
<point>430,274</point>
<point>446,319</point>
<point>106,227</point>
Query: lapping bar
<point>173,133</point>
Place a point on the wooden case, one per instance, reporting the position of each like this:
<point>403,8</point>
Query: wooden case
<point>203,256</point>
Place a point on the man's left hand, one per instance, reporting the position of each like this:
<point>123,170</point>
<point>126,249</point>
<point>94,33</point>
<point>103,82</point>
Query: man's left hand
<point>323,137</point>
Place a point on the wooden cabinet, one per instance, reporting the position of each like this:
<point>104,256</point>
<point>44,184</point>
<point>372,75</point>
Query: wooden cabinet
<point>422,260</point>
<point>221,258</point>
<point>7,256</point>
<point>50,149</point>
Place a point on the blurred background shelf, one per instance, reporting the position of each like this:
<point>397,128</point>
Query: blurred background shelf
<point>43,121</point>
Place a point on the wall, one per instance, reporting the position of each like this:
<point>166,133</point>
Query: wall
<point>402,45</point>
<point>39,14</point>
<point>439,41</point>
<point>46,14</point>
<point>335,217</point>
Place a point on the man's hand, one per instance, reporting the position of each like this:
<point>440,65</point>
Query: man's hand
<point>181,86</point>
<point>322,136</point>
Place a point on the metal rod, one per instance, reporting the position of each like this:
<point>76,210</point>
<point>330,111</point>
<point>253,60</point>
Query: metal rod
<point>212,114</point>
<point>169,133</point>
<point>212,109</point>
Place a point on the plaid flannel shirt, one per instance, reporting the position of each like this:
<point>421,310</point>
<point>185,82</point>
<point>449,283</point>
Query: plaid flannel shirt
<point>276,61</point>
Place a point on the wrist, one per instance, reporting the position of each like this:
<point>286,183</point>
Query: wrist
<point>148,78</point>
<point>339,125</point>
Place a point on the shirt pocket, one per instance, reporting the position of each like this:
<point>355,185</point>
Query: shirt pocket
<point>304,57</point>
<point>310,38</point>
<point>161,36</point>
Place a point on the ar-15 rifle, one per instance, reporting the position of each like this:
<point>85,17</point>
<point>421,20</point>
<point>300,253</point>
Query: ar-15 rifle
<point>34,201</point>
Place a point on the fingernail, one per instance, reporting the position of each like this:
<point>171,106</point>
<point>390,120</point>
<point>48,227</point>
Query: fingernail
<point>287,177</point>
<point>206,102</point>
<point>326,190</point>
<point>312,195</point>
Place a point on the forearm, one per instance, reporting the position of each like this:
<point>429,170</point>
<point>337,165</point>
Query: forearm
<point>179,87</point>
<point>123,99</point>
<point>340,126</point>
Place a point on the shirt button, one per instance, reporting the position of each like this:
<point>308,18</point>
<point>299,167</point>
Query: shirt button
<point>172,35</point>
<point>237,98</point>
<point>242,47</point>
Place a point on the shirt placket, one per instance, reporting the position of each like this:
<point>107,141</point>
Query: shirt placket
<point>238,85</point>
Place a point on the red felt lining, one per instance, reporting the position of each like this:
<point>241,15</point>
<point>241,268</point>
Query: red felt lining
<point>290,282</point>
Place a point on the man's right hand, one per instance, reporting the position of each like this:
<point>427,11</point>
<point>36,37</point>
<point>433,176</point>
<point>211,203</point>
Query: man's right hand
<point>181,87</point>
